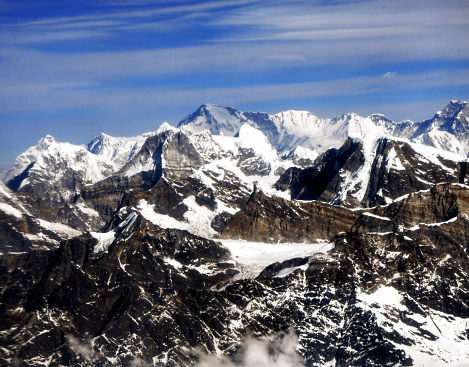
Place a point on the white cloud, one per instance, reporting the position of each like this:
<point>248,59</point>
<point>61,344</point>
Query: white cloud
<point>231,59</point>
<point>359,19</point>
<point>280,351</point>
<point>389,74</point>
<point>80,347</point>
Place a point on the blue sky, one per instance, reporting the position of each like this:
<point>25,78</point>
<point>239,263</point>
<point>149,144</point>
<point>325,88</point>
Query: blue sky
<point>74,69</point>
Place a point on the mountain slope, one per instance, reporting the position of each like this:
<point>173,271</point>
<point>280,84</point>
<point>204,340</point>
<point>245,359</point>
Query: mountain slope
<point>24,160</point>
<point>194,183</point>
<point>60,171</point>
<point>372,171</point>
<point>21,230</point>
<point>117,150</point>
<point>447,130</point>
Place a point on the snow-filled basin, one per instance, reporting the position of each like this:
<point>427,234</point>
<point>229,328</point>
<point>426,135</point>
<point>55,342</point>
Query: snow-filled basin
<point>255,256</point>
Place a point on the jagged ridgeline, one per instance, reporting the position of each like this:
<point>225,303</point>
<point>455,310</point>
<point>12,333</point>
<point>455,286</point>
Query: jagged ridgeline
<point>241,239</point>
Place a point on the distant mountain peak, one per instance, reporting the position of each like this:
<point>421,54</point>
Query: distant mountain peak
<point>165,127</point>
<point>458,102</point>
<point>46,141</point>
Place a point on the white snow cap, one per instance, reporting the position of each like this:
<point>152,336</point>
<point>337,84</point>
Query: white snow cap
<point>166,127</point>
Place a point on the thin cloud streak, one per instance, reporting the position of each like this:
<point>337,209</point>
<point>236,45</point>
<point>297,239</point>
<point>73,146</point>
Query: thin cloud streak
<point>132,14</point>
<point>304,22</point>
<point>252,21</point>
<point>19,65</point>
<point>94,25</point>
<point>44,97</point>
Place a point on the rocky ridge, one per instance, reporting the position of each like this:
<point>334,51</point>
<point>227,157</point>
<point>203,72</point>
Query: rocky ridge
<point>372,171</point>
<point>381,298</point>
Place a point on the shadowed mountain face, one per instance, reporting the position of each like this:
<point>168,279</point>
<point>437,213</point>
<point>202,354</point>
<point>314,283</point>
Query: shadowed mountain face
<point>179,249</point>
<point>372,172</point>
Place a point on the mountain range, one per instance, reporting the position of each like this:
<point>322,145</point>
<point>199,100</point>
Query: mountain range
<point>447,130</point>
<point>286,239</point>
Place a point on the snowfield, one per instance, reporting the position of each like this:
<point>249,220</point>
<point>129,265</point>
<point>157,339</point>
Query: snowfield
<point>253,257</point>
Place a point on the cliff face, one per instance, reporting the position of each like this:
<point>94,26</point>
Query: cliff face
<point>272,219</point>
<point>141,276</point>
<point>372,172</point>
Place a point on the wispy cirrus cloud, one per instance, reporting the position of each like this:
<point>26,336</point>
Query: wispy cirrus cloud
<point>107,20</point>
<point>153,11</point>
<point>60,96</point>
<point>364,20</point>
<point>389,74</point>
<point>21,64</point>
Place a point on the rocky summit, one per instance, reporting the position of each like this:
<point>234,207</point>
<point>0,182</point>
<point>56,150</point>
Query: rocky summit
<point>241,239</point>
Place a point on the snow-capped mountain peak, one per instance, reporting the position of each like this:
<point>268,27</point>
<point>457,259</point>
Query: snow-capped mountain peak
<point>447,130</point>
<point>217,119</point>
<point>24,160</point>
<point>47,140</point>
<point>165,127</point>
<point>297,121</point>
<point>118,150</point>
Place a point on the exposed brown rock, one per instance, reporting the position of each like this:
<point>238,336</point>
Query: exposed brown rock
<point>272,219</point>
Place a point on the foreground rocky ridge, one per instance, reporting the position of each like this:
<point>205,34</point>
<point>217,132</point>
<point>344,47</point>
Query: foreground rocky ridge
<point>377,298</point>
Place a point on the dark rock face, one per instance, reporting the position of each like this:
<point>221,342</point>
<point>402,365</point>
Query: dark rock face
<point>220,221</point>
<point>169,155</point>
<point>361,175</point>
<point>108,195</point>
<point>152,296</point>
<point>438,204</point>
<point>272,219</point>
<point>310,183</point>
<point>207,147</point>
<point>415,173</point>
<point>149,156</point>
<point>251,165</point>
<point>76,215</point>
<point>15,183</point>
<point>24,234</point>
<point>181,158</point>
<point>28,224</point>
<point>152,299</point>
<point>143,276</point>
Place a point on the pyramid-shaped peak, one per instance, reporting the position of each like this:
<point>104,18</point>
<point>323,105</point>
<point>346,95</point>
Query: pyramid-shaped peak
<point>47,139</point>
